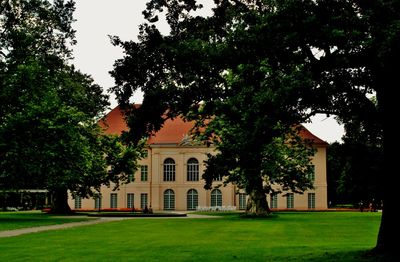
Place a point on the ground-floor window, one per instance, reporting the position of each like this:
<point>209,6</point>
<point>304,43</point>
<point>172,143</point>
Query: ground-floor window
<point>192,199</point>
<point>273,200</point>
<point>143,200</point>
<point>130,197</point>
<point>169,199</point>
<point>290,200</point>
<point>216,198</point>
<point>78,202</point>
<point>97,203</point>
<point>113,200</point>
<point>311,200</point>
<point>242,201</point>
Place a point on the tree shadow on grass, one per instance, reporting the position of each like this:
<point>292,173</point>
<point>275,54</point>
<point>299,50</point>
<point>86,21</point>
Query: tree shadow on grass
<point>349,256</point>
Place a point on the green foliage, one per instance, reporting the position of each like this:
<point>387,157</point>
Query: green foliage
<point>314,57</point>
<point>215,71</point>
<point>49,137</point>
<point>353,173</point>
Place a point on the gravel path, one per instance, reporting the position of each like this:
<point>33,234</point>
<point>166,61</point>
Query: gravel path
<point>22,231</point>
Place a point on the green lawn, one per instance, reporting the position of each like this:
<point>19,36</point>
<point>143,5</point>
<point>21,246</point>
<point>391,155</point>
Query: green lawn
<point>17,220</point>
<point>296,236</point>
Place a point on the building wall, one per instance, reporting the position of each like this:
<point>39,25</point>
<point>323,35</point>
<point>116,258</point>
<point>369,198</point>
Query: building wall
<point>155,187</point>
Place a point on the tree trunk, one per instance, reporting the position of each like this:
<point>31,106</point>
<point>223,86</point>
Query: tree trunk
<point>60,202</point>
<point>257,204</point>
<point>389,227</point>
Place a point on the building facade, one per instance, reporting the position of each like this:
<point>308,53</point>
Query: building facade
<point>170,176</point>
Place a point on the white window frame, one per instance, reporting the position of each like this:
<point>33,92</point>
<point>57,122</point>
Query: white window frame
<point>290,200</point>
<point>169,199</point>
<point>143,200</point>
<point>130,200</point>
<point>192,169</point>
<point>169,170</point>
<point>113,200</point>
<point>78,202</point>
<point>216,198</point>
<point>311,200</point>
<point>273,200</point>
<point>144,171</point>
<point>192,199</point>
<point>242,201</point>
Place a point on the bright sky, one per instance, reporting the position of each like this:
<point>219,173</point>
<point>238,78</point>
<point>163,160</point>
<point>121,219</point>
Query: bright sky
<point>94,54</point>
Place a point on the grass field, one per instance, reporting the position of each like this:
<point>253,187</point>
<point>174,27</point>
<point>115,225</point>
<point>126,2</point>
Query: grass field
<point>17,220</point>
<point>296,236</point>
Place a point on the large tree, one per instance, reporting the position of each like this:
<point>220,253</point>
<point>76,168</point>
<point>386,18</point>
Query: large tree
<point>342,51</point>
<point>354,166</point>
<point>234,95</point>
<point>49,137</point>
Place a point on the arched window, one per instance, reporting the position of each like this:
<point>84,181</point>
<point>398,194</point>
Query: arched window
<point>169,169</point>
<point>192,199</point>
<point>192,170</point>
<point>216,198</point>
<point>169,199</point>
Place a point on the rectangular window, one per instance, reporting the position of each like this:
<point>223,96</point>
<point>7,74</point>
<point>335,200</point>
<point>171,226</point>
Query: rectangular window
<point>97,203</point>
<point>145,153</point>
<point>113,200</point>
<point>311,200</point>
<point>130,198</point>
<point>130,177</point>
<point>218,178</point>
<point>78,202</point>
<point>273,200</point>
<point>143,200</point>
<point>143,173</point>
<point>242,201</point>
<point>311,176</point>
<point>290,200</point>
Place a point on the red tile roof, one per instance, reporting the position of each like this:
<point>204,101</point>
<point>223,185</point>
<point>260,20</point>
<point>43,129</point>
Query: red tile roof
<point>306,134</point>
<point>173,131</point>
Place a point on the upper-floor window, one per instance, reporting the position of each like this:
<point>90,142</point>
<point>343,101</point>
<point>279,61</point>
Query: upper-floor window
<point>145,153</point>
<point>192,170</point>
<point>311,176</point>
<point>130,177</point>
<point>143,173</point>
<point>169,169</point>
<point>218,178</point>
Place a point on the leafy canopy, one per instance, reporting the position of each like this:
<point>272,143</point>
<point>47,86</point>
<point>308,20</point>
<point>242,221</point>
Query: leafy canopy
<point>49,137</point>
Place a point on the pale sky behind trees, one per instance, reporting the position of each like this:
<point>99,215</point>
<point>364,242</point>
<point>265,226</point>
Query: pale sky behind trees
<point>95,55</point>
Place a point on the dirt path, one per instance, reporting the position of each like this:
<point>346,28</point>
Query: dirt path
<point>22,231</point>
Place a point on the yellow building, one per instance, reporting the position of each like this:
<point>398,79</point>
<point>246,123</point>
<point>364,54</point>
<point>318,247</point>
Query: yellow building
<point>169,177</point>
